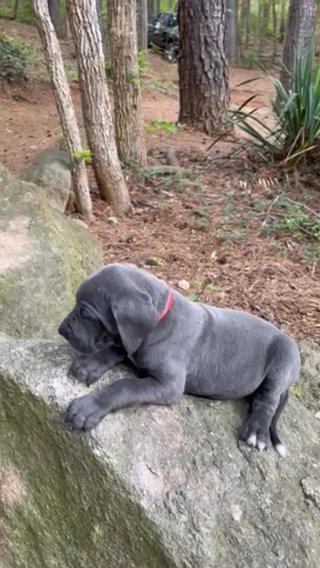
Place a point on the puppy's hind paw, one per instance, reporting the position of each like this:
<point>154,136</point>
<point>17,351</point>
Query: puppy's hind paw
<point>255,435</point>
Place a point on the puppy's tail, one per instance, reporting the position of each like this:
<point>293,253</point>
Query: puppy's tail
<point>276,442</point>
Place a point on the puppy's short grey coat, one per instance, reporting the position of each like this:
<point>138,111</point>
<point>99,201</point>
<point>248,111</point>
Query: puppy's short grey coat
<point>122,311</point>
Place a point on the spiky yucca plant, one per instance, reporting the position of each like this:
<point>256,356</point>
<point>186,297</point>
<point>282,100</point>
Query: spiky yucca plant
<point>296,132</point>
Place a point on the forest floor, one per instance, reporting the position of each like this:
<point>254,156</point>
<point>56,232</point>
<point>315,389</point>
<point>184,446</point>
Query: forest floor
<point>227,228</point>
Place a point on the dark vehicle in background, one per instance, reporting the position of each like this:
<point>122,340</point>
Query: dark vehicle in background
<point>163,33</point>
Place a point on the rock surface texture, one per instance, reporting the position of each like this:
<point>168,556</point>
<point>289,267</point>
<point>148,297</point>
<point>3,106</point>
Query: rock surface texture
<point>52,171</point>
<point>44,256</point>
<point>151,487</point>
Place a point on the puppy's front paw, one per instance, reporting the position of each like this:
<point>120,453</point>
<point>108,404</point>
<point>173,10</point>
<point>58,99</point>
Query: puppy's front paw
<point>255,434</point>
<point>84,413</point>
<point>86,369</point>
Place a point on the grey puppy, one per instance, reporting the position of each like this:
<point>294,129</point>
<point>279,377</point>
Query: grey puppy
<point>182,347</point>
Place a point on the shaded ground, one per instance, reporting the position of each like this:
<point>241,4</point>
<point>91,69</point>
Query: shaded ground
<point>219,229</point>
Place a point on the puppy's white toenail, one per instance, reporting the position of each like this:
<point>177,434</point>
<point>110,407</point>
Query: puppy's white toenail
<point>251,441</point>
<point>282,450</point>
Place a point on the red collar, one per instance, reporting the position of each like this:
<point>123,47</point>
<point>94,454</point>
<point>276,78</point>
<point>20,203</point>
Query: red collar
<point>168,306</point>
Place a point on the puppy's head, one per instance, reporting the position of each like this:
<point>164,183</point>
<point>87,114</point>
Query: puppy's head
<point>118,303</point>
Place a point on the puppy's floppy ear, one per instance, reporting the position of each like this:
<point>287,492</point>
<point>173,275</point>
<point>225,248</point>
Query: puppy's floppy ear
<point>135,317</point>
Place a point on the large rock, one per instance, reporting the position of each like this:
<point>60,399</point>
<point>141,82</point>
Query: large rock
<point>44,256</point>
<point>151,487</point>
<point>307,390</point>
<point>52,170</point>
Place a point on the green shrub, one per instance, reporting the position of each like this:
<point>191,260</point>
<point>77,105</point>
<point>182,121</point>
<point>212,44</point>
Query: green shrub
<point>13,56</point>
<point>20,59</point>
<point>296,133</point>
<point>24,11</point>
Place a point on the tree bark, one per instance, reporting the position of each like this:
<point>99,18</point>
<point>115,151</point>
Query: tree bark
<point>282,27</point>
<point>244,25</point>
<point>100,20</point>
<point>96,105</point>
<point>126,81</point>
<point>64,105</point>
<point>203,68</point>
<point>152,10</point>
<point>300,28</point>
<point>232,35</point>
<point>143,25</point>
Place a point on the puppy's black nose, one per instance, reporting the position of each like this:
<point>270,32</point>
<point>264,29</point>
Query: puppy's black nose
<point>63,329</point>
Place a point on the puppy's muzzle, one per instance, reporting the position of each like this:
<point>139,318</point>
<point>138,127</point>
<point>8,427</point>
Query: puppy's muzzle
<point>65,330</point>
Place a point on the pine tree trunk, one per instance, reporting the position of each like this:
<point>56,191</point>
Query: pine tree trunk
<point>299,31</point>
<point>96,105</point>
<point>64,105</point>
<point>126,81</point>
<point>203,68</point>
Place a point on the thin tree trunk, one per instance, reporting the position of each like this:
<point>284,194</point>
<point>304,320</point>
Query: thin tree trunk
<point>232,36</point>
<point>96,105</point>
<point>244,25</point>
<point>282,27</point>
<point>203,68</point>
<point>299,31</point>
<point>54,13</point>
<point>15,9</point>
<point>64,105</point>
<point>274,31</point>
<point>143,25</point>
<point>64,28</point>
<point>151,10</point>
<point>258,33</point>
<point>247,25</point>
<point>126,81</point>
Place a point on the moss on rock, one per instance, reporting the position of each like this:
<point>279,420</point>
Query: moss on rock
<point>44,257</point>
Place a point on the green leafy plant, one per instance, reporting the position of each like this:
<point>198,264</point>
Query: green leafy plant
<point>143,62</point>
<point>85,155</point>
<point>296,132</point>
<point>19,59</point>
<point>160,125</point>
<point>299,219</point>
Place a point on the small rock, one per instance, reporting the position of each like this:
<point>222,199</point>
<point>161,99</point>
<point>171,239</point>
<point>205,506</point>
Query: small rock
<point>317,415</point>
<point>184,285</point>
<point>113,220</point>
<point>311,490</point>
<point>154,261</point>
<point>80,223</point>
<point>236,512</point>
